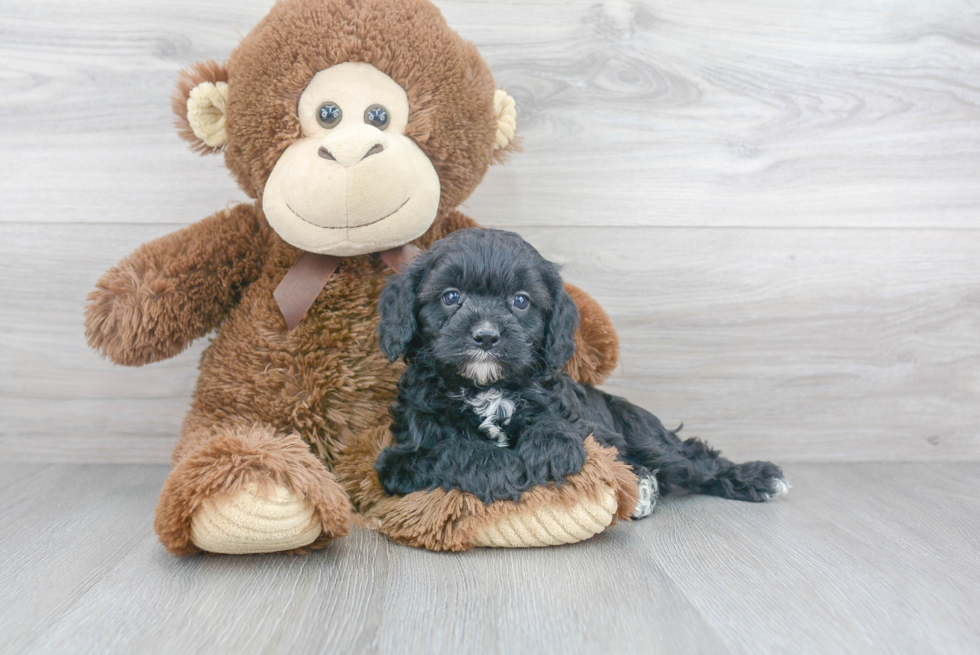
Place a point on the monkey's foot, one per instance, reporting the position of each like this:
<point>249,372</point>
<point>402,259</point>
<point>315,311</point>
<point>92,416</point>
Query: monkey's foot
<point>254,520</point>
<point>251,491</point>
<point>586,504</point>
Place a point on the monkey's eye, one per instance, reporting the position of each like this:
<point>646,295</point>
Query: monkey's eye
<point>328,115</point>
<point>521,301</point>
<point>377,116</point>
<point>451,298</point>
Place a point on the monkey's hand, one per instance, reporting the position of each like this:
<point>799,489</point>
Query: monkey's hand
<point>175,289</point>
<point>596,341</point>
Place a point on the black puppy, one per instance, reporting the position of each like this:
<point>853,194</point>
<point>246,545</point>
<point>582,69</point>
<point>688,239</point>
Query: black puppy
<point>485,325</point>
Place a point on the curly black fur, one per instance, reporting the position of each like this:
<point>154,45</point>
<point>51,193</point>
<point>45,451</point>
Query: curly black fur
<point>483,405</point>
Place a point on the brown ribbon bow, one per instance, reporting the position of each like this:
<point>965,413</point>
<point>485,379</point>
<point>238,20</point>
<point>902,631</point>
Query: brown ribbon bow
<point>301,285</point>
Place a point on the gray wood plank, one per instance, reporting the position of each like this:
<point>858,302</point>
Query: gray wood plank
<point>366,595</point>
<point>859,558</point>
<point>843,345</point>
<point>794,345</point>
<point>541,601</point>
<point>656,112</point>
<point>64,528</point>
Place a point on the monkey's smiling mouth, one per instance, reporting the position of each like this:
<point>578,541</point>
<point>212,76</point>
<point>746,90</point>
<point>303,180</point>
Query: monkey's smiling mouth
<point>346,227</point>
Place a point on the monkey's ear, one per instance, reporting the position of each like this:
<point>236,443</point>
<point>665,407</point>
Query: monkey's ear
<point>199,103</point>
<point>505,109</point>
<point>559,337</point>
<point>397,309</point>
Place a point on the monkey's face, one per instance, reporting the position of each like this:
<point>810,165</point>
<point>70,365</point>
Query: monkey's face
<point>354,182</point>
<point>358,124</point>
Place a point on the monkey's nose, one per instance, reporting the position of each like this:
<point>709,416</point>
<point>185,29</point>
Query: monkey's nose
<point>375,149</point>
<point>329,156</point>
<point>486,337</point>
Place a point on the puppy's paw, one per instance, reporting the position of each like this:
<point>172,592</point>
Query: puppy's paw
<point>758,482</point>
<point>399,483</point>
<point>779,487</point>
<point>504,480</point>
<point>401,473</point>
<point>490,491</point>
<point>553,464</point>
<point>649,490</point>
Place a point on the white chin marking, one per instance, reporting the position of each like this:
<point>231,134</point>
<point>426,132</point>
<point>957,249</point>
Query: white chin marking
<point>780,487</point>
<point>481,372</point>
<point>649,493</point>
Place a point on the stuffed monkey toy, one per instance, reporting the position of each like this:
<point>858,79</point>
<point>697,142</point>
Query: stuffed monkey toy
<point>357,127</point>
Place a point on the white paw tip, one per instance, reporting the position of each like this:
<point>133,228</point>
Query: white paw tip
<point>649,493</point>
<point>780,487</point>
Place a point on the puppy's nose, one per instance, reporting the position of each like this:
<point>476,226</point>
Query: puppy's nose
<point>486,336</point>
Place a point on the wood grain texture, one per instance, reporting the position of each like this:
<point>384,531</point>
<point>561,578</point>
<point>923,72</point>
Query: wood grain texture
<point>859,558</point>
<point>652,112</point>
<point>794,345</point>
<point>64,529</point>
<point>793,187</point>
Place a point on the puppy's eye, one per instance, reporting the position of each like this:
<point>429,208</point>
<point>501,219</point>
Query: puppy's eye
<point>521,301</point>
<point>451,298</point>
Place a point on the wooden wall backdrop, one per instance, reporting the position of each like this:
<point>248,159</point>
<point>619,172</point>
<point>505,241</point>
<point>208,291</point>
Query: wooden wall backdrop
<point>778,201</point>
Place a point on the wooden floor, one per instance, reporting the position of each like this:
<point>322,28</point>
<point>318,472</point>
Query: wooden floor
<point>859,558</point>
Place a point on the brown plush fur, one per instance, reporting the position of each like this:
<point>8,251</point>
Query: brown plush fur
<point>596,342</point>
<point>441,520</point>
<point>263,391</point>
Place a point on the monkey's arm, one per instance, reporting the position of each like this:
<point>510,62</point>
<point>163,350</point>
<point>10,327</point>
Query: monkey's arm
<point>596,341</point>
<point>175,289</point>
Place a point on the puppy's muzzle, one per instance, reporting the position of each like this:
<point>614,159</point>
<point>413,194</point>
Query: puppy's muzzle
<point>485,335</point>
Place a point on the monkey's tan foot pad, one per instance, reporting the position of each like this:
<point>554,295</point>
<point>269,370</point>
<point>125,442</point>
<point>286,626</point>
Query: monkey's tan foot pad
<point>253,521</point>
<point>250,490</point>
<point>586,504</point>
<point>549,525</point>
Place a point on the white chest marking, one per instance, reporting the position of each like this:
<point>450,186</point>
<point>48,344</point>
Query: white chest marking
<point>495,410</point>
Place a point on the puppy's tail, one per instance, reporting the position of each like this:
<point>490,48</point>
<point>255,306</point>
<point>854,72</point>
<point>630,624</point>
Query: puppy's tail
<point>692,465</point>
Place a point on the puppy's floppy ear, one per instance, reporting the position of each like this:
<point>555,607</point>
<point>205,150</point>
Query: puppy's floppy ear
<point>397,308</point>
<point>559,336</point>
